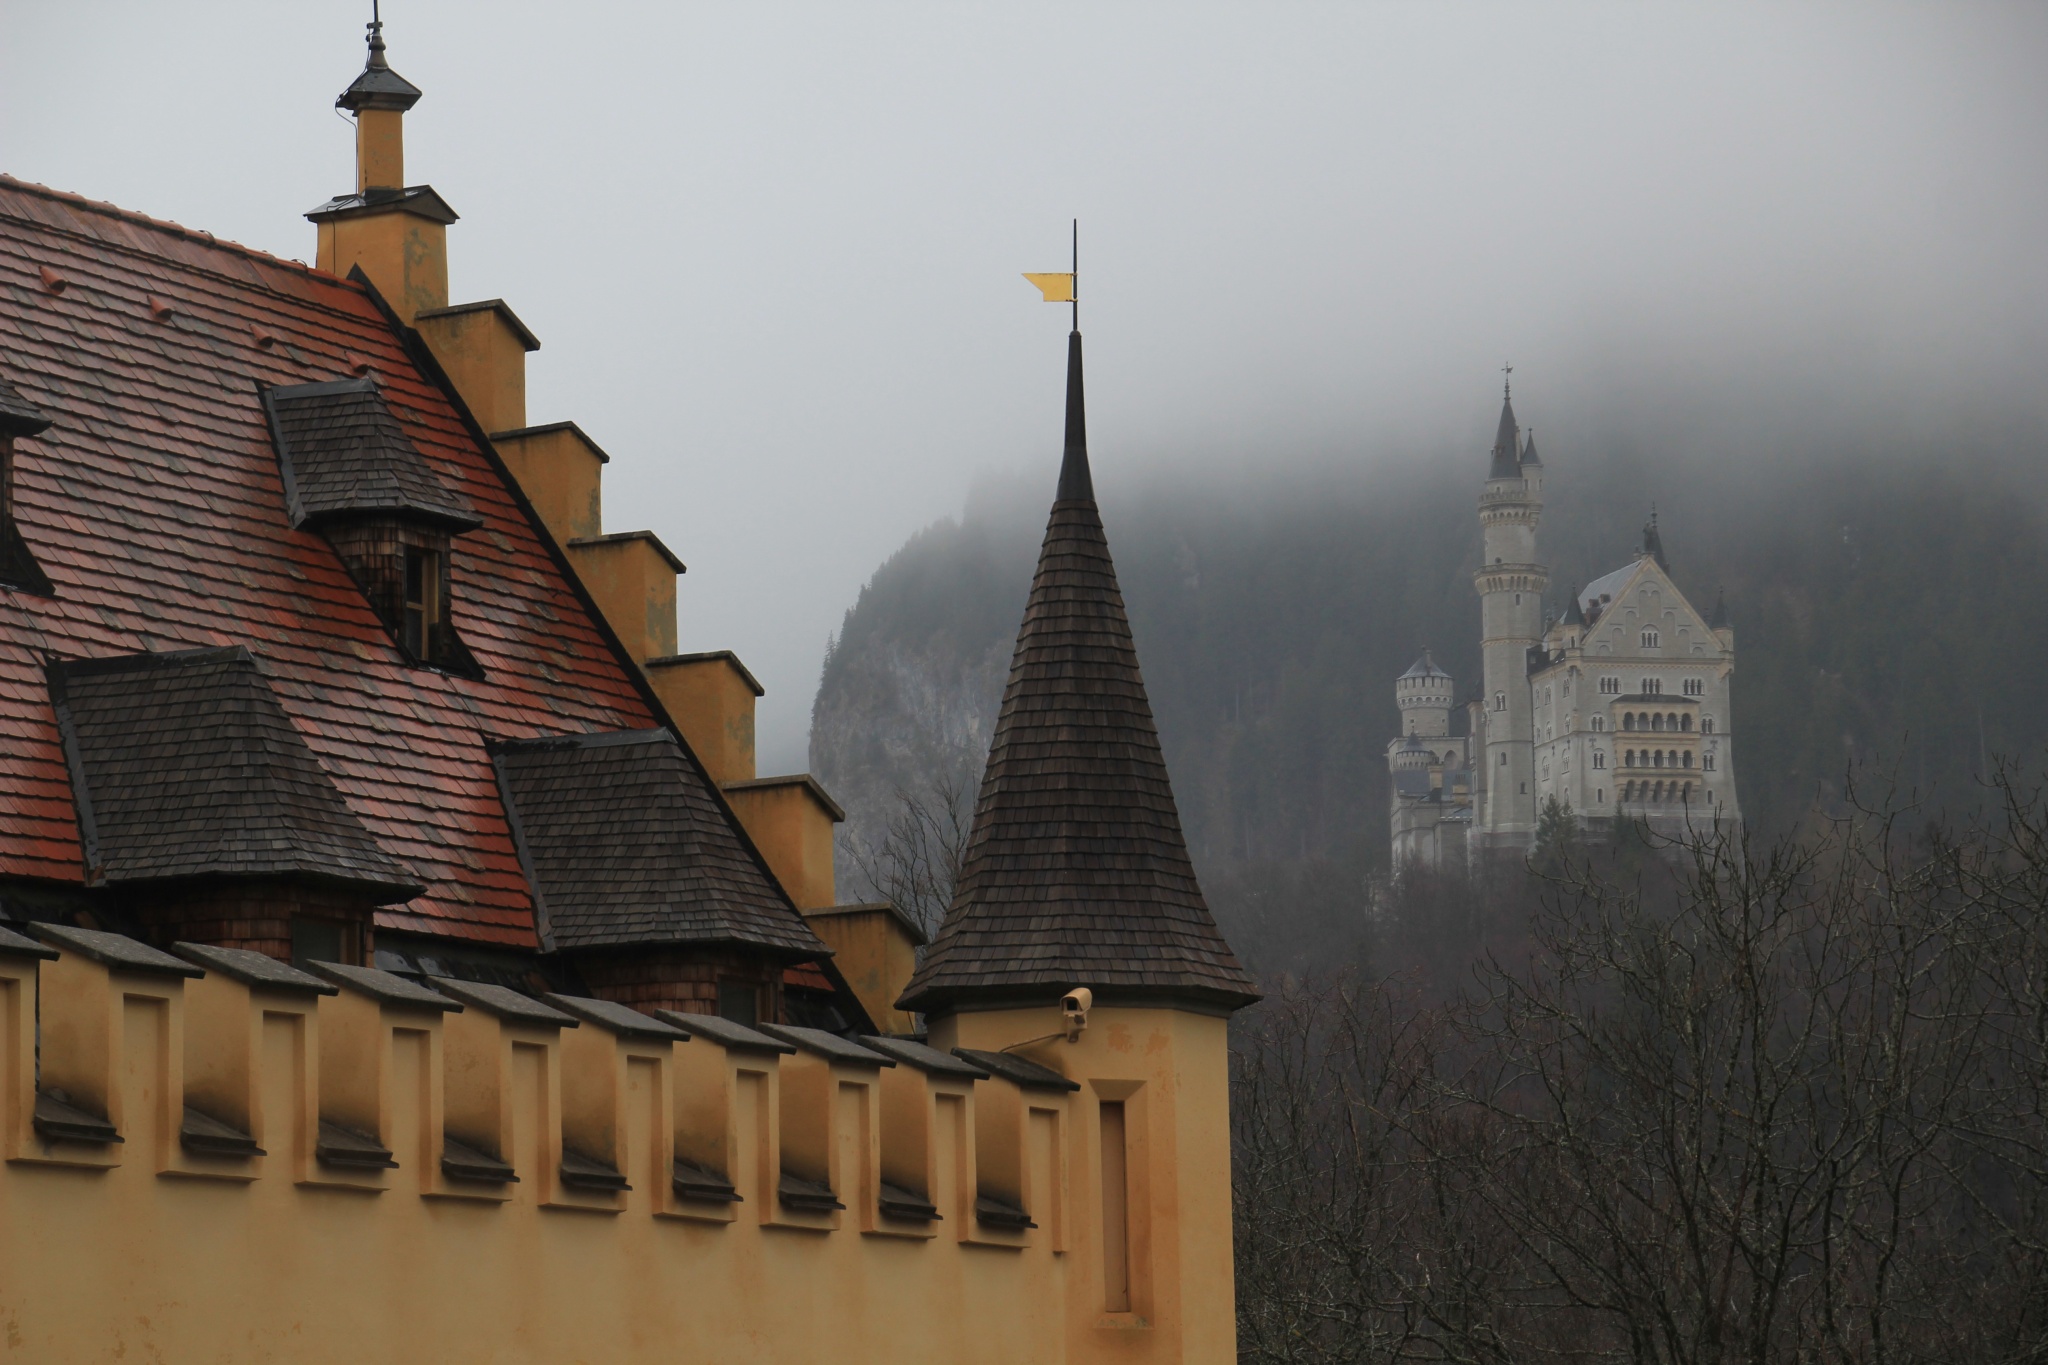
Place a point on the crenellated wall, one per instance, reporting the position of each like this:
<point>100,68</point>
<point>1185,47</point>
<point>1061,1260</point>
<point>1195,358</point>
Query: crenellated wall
<point>367,1215</point>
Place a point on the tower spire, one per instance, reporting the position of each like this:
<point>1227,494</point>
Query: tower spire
<point>1076,872</point>
<point>1507,444</point>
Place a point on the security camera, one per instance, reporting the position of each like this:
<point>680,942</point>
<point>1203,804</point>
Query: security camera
<point>1075,1005</point>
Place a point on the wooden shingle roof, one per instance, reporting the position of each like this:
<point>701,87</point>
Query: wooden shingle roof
<point>1076,872</point>
<point>184,765</point>
<point>627,844</point>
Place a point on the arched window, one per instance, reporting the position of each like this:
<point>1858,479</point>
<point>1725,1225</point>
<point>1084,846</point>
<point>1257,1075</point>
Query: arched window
<point>1649,639</point>
<point>1685,722</point>
<point>1628,791</point>
<point>1500,701</point>
<point>1657,759</point>
<point>1628,720</point>
<point>1656,722</point>
<point>1671,722</point>
<point>1707,762</point>
<point>1599,722</point>
<point>1599,759</point>
<point>1657,793</point>
<point>1628,760</point>
<point>1688,760</point>
<point>1686,795</point>
<point>1503,758</point>
<point>1600,795</point>
<point>1706,725</point>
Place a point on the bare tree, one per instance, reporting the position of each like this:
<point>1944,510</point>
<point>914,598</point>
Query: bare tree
<point>915,861</point>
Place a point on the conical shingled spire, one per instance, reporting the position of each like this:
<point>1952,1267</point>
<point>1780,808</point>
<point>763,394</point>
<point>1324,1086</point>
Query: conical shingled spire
<point>1507,448</point>
<point>1076,872</point>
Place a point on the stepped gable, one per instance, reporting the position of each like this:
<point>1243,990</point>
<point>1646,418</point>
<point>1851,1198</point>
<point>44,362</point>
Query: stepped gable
<point>342,452</point>
<point>627,843</point>
<point>184,765</point>
<point>154,504</point>
<point>1076,872</point>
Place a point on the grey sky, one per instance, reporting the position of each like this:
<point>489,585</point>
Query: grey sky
<point>772,249</point>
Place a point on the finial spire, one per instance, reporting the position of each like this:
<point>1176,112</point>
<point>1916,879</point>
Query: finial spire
<point>379,87</point>
<point>376,27</point>
<point>1506,371</point>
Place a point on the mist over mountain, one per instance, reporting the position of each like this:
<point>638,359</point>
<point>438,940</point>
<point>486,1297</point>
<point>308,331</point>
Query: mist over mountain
<point>1885,586</point>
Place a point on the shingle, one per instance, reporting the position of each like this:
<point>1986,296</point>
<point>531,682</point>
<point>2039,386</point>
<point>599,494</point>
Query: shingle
<point>185,765</point>
<point>384,987</point>
<point>114,950</point>
<point>627,843</point>
<point>252,968</point>
<point>724,1032</point>
<point>924,1058</point>
<point>1016,1069</point>
<point>15,945</point>
<point>620,1019</point>
<point>1076,872</point>
<point>502,1001</point>
<point>830,1046</point>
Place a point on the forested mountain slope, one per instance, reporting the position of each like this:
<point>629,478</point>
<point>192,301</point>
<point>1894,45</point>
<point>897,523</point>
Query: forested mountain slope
<point>1890,608</point>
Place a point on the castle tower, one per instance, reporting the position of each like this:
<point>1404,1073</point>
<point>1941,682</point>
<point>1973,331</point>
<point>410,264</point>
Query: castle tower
<point>1510,584</point>
<point>1424,694</point>
<point>1077,875</point>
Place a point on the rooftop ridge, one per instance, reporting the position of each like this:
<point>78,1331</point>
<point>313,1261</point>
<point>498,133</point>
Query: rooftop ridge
<point>111,210</point>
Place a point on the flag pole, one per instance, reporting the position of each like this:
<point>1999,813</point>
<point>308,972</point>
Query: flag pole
<point>1076,300</point>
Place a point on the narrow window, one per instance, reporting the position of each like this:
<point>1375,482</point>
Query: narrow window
<point>1685,722</point>
<point>1599,759</point>
<point>1503,758</point>
<point>1600,795</point>
<point>1599,722</point>
<point>1649,639</point>
<point>1116,1211</point>
<point>1656,722</point>
<point>425,609</point>
<point>1688,760</point>
<point>1707,762</point>
<point>1706,725</point>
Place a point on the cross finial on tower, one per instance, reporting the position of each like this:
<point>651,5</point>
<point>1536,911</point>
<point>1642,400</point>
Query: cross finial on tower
<point>1505,371</point>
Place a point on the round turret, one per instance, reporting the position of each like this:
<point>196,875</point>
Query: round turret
<point>1425,695</point>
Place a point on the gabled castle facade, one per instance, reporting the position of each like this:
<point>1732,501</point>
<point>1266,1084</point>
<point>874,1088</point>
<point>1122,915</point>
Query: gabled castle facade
<point>1619,709</point>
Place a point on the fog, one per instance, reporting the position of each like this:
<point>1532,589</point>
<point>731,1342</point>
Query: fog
<point>772,249</point>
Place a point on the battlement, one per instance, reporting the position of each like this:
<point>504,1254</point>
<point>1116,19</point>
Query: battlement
<point>241,1154</point>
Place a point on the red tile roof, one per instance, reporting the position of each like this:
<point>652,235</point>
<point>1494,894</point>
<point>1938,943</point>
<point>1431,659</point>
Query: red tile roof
<point>154,506</point>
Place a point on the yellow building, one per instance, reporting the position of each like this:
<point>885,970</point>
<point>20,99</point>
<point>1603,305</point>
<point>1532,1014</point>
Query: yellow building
<point>400,958</point>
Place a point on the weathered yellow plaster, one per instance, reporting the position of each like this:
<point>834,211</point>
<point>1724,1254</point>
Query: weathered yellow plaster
<point>790,820</point>
<point>711,699</point>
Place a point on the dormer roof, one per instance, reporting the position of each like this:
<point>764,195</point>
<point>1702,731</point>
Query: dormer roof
<point>18,416</point>
<point>342,453</point>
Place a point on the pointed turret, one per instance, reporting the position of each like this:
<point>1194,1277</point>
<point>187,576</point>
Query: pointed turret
<point>1653,544</point>
<point>1573,614</point>
<point>1507,455</point>
<point>1076,872</point>
<point>1529,457</point>
<point>1717,619</point>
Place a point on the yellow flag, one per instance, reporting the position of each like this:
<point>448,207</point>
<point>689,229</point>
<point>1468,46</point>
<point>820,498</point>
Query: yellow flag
<point>1056,288</point>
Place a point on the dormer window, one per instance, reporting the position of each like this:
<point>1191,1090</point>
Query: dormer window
<point>18,568</point>
<point>425,614</point>
<point>351,473</point>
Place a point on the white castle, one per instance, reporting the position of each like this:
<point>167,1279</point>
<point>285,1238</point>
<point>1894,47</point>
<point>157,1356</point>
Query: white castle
<point>1619,708</point>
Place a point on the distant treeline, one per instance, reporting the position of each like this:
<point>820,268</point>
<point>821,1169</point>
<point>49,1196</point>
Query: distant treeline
<point>1890,605</point>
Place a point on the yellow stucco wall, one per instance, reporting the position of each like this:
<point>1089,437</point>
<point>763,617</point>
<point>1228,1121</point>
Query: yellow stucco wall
<point>711,699</point>
<point>405,256</point>
<point>875,953</point>
<point>482,347</point>
<point>141,1251</point>
<point>561,472</point>
<point>790,820</point>
<point>632,578</point>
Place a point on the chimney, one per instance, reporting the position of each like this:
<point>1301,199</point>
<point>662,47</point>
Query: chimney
<point>397,233</point>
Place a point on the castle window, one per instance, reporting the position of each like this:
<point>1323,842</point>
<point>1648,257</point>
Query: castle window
<point>1685,722</point>
<point>1695,687</point>
<point>1503,758</point>
<point>1687,761</point>
<point>1500,701</point>
<point>1707,762</point>
<point>1628,720</point>
<point>1653,687</point>
<point>1599,759</point>
<point>1599,722</point>
<point>1649,639</point>
<point>1629,759</point>
<point>1657,758</point>
<point>1706,725</point>
<point>426,603</point>
<point>1611,686</point>
<point>1600,795</point>
<point>1628,791</point>
<point>1656,722</point>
